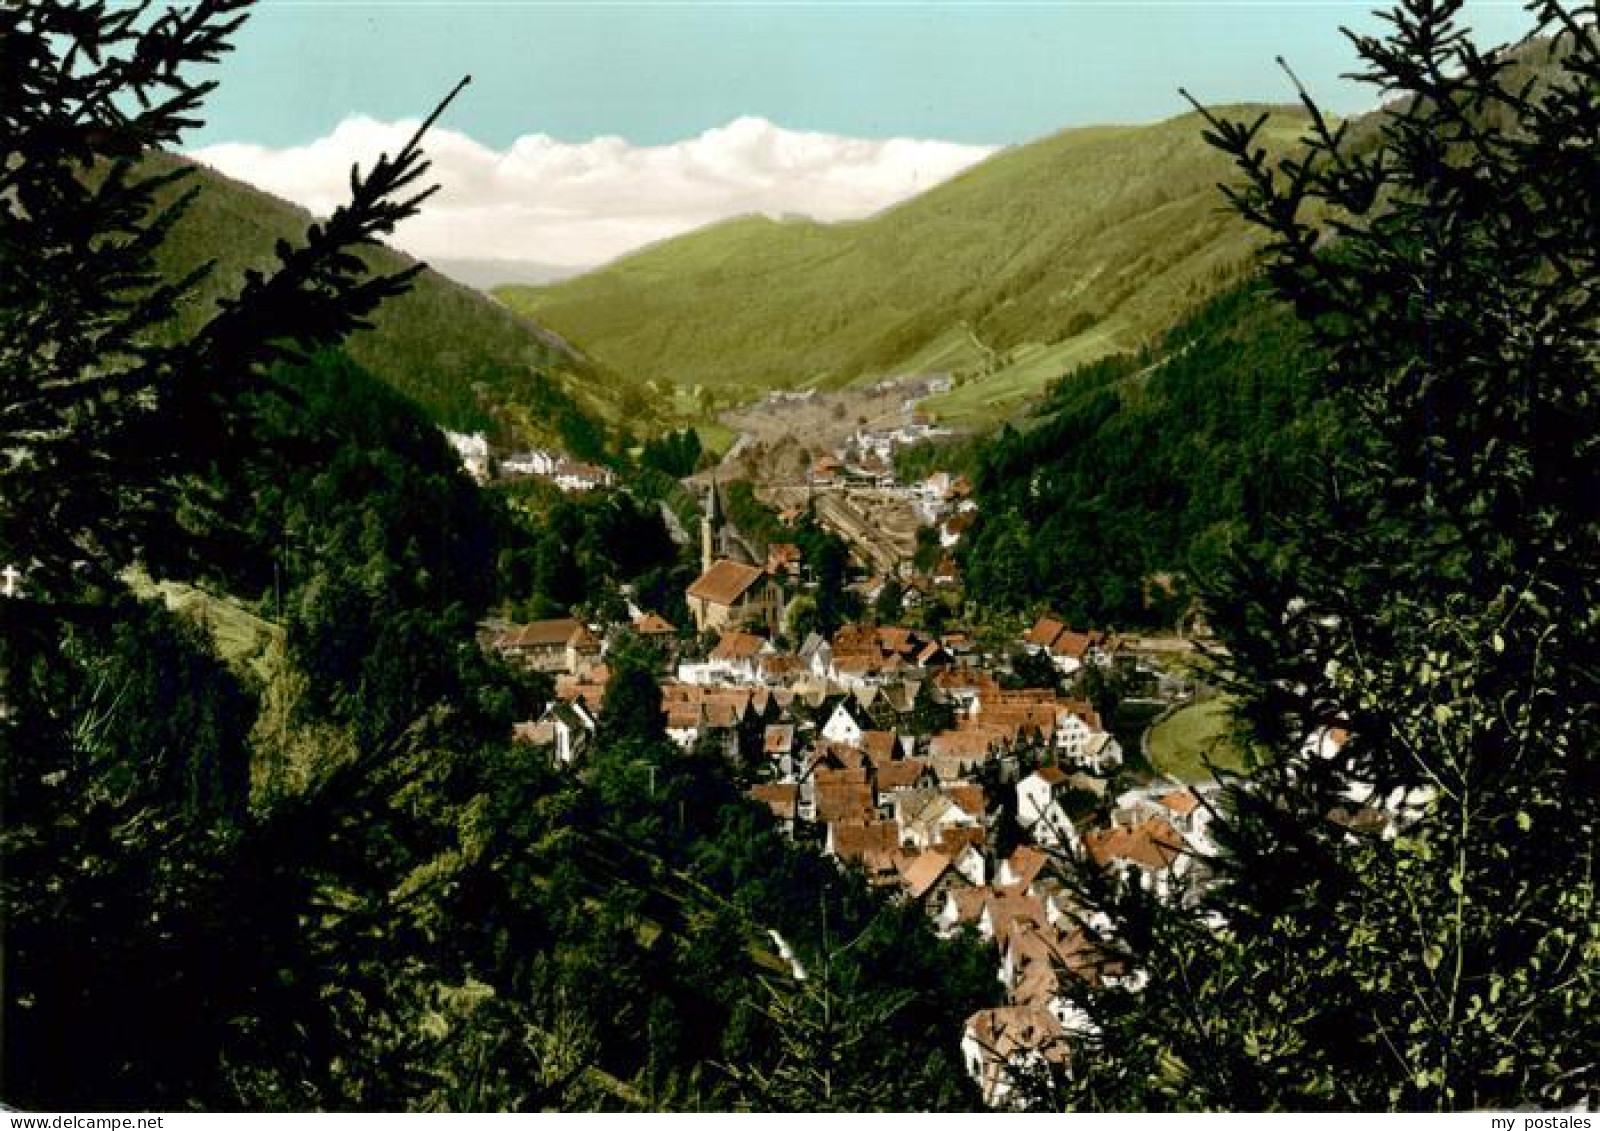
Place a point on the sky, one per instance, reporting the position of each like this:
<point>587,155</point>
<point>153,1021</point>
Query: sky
<point>590,129</point>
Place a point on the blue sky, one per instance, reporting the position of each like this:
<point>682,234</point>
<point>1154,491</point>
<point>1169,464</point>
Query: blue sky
<point>592,130</point>
<point>979,73</point>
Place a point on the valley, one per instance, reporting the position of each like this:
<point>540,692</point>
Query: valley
<point>1041,258</point>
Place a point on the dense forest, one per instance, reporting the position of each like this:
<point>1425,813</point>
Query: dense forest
<point>1142,472</point>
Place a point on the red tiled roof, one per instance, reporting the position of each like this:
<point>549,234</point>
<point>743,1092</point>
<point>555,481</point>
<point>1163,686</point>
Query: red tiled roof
<point>902,774</point>
<point>1077,644</point>
<point>776,667</point>
<point>863,663</point>
<point>880,745</point>
<point>683,716</point>
<point>1026,863</point>
<point>737,646</point>
<point>548,634</point>
<point>894,639</point>
<point>724,714</point>
<point>1153,844</point>
<point>958,524</point>
<point>780,798</point>
<point>1014,1032</point>
<point>974,743</point>
<point>844,801</point>
<point>1012,908</point>
<point>533,733</point>
<point>652,625</point>
<point>783,557</point>
<point>1036,949</point>
<point>1044,632</point>
<point>842,775</point>
<point>970,902</point>
<point>924,871</point>
<point>968,796</point>
<point>1180,801</point>
<point>954,838</point>
<point>725,582</point>
<point>592,689</point>
<point>854,839</point>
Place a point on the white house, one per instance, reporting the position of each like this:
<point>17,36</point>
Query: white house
<point>1100,753</point>
<point>1040,811</point>
<point>535,462</point>
<point>844,727</point>
<point>574,728</point>
<point>567,728</point>
<point>574,475</point>
<point>473,450</point>
<point>972,866</point>
<point>1151,853</point>
<point>923,815</point>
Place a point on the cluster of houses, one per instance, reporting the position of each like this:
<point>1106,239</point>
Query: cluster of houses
<point>904,754</point>
<point>866,459</point>
<point>982,824</point>
<point>909,756</point>
<point>569,474</point>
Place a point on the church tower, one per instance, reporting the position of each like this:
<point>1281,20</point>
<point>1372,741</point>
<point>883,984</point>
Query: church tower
<point>708,522</point>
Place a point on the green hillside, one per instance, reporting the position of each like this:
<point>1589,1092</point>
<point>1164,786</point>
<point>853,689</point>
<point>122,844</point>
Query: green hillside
<point>1046,256</point>
<point>1140,471</point>
<point>467,361</point>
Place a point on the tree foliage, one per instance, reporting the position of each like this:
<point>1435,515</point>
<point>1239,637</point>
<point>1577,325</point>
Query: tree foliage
<point>1146,469</point>
<point>1407,920</point>
<point>676,454</point>
<point>93,398</point>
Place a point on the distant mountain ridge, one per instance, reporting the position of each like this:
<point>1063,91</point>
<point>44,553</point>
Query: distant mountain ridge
<point>486,274</point>
<point>1047,255</point>
<point>465,359</point>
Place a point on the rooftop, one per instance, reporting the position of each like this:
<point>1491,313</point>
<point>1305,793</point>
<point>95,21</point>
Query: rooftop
<point>725,582</point>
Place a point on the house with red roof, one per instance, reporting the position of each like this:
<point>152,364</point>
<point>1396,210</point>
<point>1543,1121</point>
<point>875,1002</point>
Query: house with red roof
<point>564,645</point>
<point>732,594</point>
<point>1013,1051</point>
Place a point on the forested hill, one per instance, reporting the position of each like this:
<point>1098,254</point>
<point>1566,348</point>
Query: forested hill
<point>1141,469</point>
<point>466,360</point>
<point>1084,244</point>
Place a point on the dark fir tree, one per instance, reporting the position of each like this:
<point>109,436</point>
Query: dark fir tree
<point>125,771</point>
<point>1407,919</point>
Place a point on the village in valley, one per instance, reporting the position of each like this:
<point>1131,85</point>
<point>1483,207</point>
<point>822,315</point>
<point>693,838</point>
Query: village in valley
<point>971,775</point>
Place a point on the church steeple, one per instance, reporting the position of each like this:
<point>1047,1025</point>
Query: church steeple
<point>708,522</point>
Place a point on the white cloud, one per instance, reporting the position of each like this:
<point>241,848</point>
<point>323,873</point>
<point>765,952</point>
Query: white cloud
<point>554,202</point>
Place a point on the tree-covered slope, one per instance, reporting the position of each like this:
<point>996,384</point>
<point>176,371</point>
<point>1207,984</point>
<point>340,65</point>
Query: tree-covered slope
<point>1083,244</point>
<point>466,360</point>
<point>1143,468</point>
